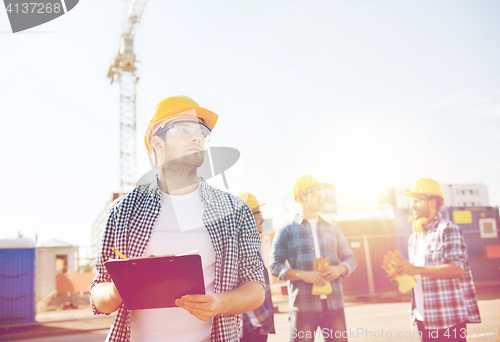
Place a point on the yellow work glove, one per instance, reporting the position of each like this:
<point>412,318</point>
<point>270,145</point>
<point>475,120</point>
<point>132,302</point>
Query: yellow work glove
<point>318,264</point>
<point>405,281</point>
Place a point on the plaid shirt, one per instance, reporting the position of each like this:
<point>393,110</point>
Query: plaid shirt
<point>263,314</point>
<point>231,227</point>
<point>295,244</point>
<point>447,302</point>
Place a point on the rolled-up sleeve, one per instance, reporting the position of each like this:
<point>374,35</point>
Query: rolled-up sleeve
<point>346,256</point>
<point>455,249</point>
<point>278,255</point>
<point>250,266</point>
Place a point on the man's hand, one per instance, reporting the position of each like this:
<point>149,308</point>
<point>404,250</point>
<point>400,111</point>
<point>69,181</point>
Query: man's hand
<point>203,307</point>
<point>404,267</point>
<point>248,296</point>
<point>331,273</point>
<point>314,277</point>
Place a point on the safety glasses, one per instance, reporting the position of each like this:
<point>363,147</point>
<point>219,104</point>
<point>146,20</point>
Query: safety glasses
<point>418,201</point>
<point>185,129</point>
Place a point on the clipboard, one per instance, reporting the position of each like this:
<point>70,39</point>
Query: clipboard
<point>156,282</point>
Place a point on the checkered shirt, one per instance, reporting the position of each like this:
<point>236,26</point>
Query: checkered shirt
<point>264,313</point>
<point>447,302</point>
<point>295,244</point>
<point>231,227</point>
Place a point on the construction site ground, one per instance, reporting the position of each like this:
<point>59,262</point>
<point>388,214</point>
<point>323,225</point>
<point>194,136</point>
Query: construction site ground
<point>389,314</point>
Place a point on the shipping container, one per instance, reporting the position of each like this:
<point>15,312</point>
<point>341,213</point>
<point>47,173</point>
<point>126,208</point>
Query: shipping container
<point>369,240</point>
<point>480,228</point>
<point>17,282</point>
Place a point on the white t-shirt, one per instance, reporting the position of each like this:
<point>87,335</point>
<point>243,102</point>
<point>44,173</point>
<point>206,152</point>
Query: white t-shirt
<point>317,252</point>
<point>314,223</point>
<point>419,260</point>
<point>178,230</point>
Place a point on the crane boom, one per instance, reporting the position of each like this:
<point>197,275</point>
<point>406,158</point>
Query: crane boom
<point>124,70</point>
<point>133,16</point>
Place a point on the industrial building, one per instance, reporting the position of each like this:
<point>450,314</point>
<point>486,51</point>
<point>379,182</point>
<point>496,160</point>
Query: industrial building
<point>466,195</point>
<point>52,258</point>
<point>98,226</point>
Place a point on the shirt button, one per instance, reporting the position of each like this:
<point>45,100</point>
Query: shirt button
<point>311,236</point>
<point>313,248</point>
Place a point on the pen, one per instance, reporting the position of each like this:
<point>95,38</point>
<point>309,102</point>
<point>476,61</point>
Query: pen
<point>118,252</point>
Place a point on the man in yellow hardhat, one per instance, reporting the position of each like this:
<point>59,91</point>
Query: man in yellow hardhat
<point>307,239</point>
<point>444,299</point>
<point>258,323</point>
<point>176,214</point>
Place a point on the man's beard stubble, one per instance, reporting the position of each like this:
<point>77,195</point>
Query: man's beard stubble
<point>184,165</point>
<point>423,212</point>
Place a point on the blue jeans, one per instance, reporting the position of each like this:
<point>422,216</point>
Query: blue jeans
<point>303,325</point>
<point>254,336</point>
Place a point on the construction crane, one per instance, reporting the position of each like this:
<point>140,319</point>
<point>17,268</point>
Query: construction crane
<point>124,70</point>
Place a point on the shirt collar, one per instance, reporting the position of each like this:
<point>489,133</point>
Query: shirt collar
<point>297,219</point>
<point>206,194</point>
<point>432,223</point>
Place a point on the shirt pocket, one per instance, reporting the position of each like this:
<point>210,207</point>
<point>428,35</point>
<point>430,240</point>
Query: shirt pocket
<point>436,252</point>
<point>328,246</point>
<point>300,254</point>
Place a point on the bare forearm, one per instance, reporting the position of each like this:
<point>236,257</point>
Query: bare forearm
<point>106,298</point>
<point>441,271</point>
<point>248,296</point>
<point>293,274</point>
<point>342,269</point>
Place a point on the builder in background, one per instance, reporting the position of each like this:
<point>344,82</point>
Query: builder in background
<point>258,323</point>
<point>175,214</point>
<point>444,300</point>
<point>307,238</point>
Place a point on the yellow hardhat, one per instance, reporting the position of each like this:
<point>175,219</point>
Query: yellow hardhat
<point>250,199</point>
<point>176,105</point>
<point>425,186</point>
<point>305,182</point>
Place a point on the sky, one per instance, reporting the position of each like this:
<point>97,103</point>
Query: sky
<point>361,94</point>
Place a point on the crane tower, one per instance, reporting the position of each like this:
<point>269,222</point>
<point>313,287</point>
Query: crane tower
<point>124,70</point>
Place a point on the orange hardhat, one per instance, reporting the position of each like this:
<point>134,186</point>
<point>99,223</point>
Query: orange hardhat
<point>306,182</point>
<point>250,199</point>
<point>177,105</point>
<point>425,186</point>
